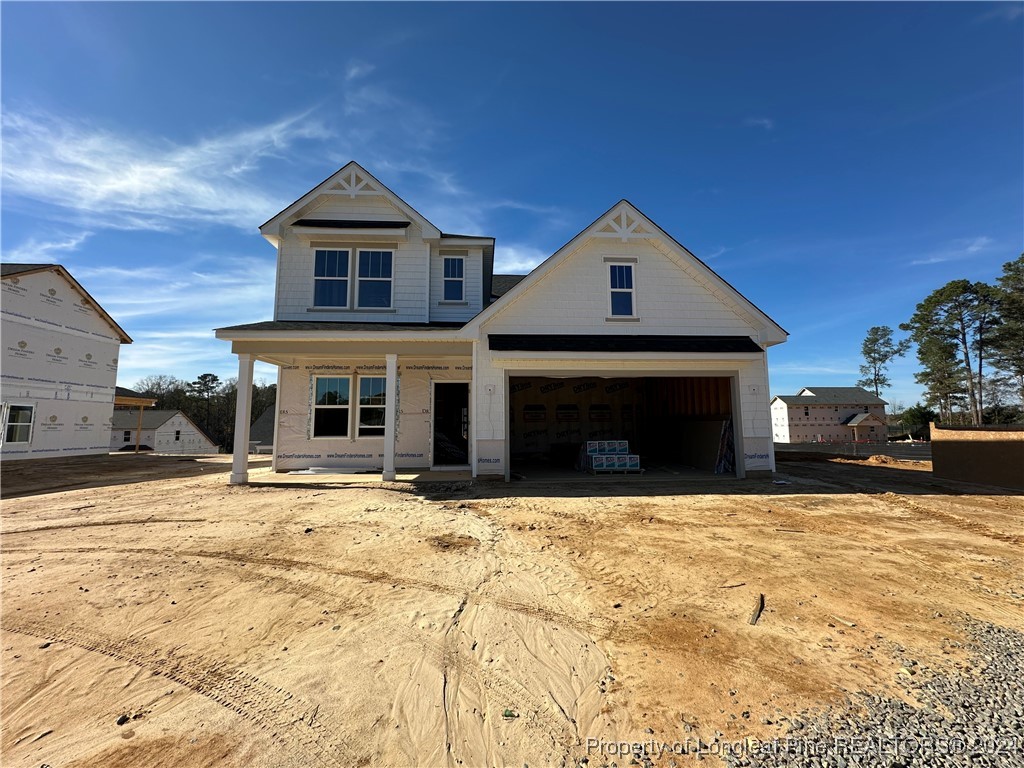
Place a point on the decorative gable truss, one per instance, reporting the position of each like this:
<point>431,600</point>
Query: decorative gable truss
<point>623,225</point>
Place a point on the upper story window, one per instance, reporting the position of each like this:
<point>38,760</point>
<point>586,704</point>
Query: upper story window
<point>621,282</point>
<point>19,424</point>
<point>127,435</point>
<point>374,284</point>
<point>330,278</point>
<point>454,278</point>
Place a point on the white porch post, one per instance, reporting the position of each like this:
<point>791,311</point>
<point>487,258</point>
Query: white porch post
<point>243,415</point>
<point>390,409</point>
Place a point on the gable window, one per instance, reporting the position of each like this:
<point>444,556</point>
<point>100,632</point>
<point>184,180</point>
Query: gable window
<point>19,424</point>
<point>454,278</point>
<point>331,406</point>
<point>374,279</point>
<point>330,278</point>
<point>621,277</point>
<point>372,399</point>
<point>177,435</point>
<point>127,435</point>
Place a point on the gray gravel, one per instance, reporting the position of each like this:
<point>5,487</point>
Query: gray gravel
<point>973,716</point>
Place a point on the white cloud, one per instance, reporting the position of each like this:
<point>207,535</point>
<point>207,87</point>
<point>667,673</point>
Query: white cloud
<point>963,248</point>
<point>357,69</point>
<point>34,251</point>
<point>517,259</point>
<point>830,367</point>
<point>1005,11</point>
<point>104,179</point>
<point>761,122</point>
<point>716,253</point>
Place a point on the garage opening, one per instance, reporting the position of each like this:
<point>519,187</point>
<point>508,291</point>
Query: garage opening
<point>672,423</point>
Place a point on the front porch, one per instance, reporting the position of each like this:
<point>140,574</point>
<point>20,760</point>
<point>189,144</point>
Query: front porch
<point>359,403</point>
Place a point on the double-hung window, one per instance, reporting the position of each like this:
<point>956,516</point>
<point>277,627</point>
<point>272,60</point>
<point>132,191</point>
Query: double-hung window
<point>127,435</point>
<point>18,428</point>
<point>330,278</point>
<point>331,406</point>
<point>454,278</point>
<point>374,279</point>
<point>372,401</point>
<point>621,282</point>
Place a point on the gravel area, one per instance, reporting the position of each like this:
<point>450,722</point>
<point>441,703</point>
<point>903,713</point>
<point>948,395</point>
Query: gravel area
<point>973,717</point>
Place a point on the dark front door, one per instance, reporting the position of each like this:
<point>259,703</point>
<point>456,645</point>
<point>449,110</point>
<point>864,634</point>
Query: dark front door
<point>451,424</point>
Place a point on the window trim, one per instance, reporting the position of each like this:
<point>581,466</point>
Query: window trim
<point>313,408</point>
<point>358,279</point>
<point>177,435</point>
<point>622,261</point>
<point>460,281</point>
<point>359,408</point>
<point>31,423</point>
<point>347,279</point>
<point>127,435</point>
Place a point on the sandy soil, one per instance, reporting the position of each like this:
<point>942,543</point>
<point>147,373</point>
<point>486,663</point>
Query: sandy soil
<point>318,623</point>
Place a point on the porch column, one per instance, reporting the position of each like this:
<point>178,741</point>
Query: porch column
<point>390,409</point>
<point>243,416</point>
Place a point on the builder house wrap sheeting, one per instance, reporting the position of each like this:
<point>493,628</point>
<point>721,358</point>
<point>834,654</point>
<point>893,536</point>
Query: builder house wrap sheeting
<point>60,354</point>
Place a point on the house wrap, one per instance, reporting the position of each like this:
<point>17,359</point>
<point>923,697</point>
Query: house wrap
<point>397,347</point>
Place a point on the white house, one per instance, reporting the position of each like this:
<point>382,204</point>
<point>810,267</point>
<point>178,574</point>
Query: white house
<point>59,365</point>
<point>163,431</point>
<point>827,414</point>
<point>397,347</point>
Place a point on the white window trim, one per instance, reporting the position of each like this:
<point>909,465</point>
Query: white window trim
<point>460,280</point>
<point>389,280</point>
<point>7,424</point>
<point>348,277</point>
<point>631,262</point>
<point>313,408</point>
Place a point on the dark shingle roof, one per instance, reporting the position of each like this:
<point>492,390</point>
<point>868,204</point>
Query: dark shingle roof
<point>832,396</point>
<point>17,269</point>
<point>502,284</point>
<point>262,430</point>
<point>619,343</point>
<point>340,327</point>
<point>151,419</point>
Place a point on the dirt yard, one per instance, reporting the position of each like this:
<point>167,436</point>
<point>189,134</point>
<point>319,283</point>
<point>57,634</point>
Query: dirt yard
<point>154,616</point>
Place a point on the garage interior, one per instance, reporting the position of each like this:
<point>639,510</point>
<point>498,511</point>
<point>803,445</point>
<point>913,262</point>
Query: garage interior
<point>673,423</point>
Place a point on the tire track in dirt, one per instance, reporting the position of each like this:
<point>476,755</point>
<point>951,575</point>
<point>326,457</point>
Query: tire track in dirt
<point>100,523</point>
<point>273,710</point>
<point>968,526</point>
<point>596,626</point>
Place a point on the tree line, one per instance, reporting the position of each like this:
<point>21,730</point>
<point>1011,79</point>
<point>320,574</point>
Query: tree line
<point>207,401</point>
<point>970,347</point>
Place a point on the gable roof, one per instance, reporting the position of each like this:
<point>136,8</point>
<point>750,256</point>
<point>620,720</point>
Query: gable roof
<point>831,396</point>
<point>354,179</point>
<point>151,419</point>
<point>502,284</point>
<point>262,430</point>
<point>12,270</point>
<point>859,418</point>
<point>606,225</point>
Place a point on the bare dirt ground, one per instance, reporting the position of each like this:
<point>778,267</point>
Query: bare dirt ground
<point>318,623</point>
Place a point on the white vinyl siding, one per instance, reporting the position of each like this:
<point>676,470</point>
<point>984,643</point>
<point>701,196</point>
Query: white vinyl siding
<point>472,285</point>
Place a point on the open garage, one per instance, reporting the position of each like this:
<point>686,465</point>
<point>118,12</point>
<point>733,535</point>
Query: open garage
<point>671,422</point>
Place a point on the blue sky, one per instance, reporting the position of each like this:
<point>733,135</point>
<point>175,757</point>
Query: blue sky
<point>834,162</point>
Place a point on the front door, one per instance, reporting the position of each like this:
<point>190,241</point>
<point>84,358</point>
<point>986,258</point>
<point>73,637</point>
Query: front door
<point>451,424</point>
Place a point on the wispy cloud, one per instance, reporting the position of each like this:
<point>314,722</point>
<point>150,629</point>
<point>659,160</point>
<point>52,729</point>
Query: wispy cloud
<point>517,259</point>
<point>760,122</point>
<point>101,178</point>
<point>822,367</point>
<point>357,69</point>
<point>1010,11</point>
<point>964,248</point>
<point>716,253</point>
<point>33,251</point>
